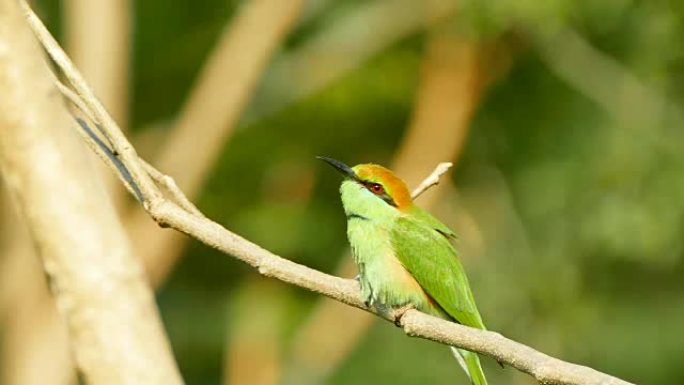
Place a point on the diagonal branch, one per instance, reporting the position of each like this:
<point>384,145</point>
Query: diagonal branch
<point>544,368</point>
<point>432,179</point>
<point>98,35</point>
<point>124,151</point>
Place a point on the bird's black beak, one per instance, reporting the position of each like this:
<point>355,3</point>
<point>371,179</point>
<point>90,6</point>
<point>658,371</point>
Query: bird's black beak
<point>339,166</point>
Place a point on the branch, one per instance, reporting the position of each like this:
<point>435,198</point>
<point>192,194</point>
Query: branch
<point>124,151</point>
<point>98,40</point>
<point>222,90</point>
<point>100,291</point>
<point>28,316</point>
<point>546,369</point>
<point>432,179</point>
<point>32,329</point>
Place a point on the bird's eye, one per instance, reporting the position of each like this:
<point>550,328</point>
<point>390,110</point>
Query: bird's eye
<point>376,188</point>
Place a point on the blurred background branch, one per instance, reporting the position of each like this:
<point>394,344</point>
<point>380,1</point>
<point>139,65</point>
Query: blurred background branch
<point>355,36</point>
<point>28,315</point>
<point>98,38</point>
<point>604,80</point>
<point>253,349</point>
<point>208,118</point>
<point>114,328</point>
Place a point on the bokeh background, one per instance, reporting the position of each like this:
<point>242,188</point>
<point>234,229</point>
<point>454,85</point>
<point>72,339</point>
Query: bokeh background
<point>563,120</point>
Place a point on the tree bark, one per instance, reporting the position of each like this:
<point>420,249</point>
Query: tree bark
<point>114,327</point>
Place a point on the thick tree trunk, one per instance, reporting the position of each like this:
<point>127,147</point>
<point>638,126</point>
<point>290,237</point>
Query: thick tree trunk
<point>114,327</point>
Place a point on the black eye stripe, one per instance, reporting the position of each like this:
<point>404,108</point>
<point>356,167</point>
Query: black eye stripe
<point>385,197</point>
<point>389,200</point>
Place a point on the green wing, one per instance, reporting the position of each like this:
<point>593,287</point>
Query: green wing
<point>425,251</point>
<point>427,219</point>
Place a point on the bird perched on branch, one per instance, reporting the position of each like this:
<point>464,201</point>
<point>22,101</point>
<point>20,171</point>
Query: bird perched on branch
<point>404,254</point>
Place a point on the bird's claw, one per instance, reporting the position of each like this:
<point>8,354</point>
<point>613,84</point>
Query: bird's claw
<point>400,311</point>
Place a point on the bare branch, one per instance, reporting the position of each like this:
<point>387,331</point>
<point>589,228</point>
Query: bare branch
<point>97,35</point>
<point>432,179</point>
<point>122,148</point>
<point>98,284</point>
<point>544,368</point>
<point>74,99</point>
<point>223,88</point>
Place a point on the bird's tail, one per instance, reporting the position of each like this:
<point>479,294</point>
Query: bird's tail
<point>470,362</point>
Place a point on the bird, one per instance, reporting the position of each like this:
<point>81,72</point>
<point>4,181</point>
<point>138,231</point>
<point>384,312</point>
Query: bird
<point>405,256</point>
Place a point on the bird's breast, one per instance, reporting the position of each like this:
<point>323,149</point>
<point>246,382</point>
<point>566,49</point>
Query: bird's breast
<point>383,278</point>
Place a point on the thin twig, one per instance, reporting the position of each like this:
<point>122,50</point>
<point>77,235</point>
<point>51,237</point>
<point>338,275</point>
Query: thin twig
<point>98,39</point>
<point>545,369</point>
<point>72,97</point>
<point>112,158</point>
<point>432,179</point>
<point>121,147</point>
<point>104,151</point>
<point>161,179</point>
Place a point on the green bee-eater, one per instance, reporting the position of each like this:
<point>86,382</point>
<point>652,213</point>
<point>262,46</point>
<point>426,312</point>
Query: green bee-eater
<point>404,254</point>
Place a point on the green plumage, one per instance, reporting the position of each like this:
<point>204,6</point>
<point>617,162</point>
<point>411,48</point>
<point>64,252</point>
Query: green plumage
<point>430,257</point>
<point>424,250</point>
<point>405,256</point>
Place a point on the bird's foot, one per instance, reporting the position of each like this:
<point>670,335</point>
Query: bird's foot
<point>399,312</point>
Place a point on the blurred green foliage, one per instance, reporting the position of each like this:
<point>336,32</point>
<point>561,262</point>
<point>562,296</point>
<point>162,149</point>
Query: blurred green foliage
<point>581,208</point>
